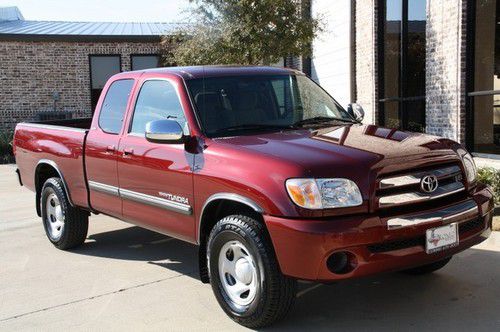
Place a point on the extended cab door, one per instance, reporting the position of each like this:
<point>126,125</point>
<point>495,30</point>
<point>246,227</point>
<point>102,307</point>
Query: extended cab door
<point>156,181</point>
<point>101,148</point>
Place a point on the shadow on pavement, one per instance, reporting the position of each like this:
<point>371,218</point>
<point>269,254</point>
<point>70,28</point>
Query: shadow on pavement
<point>139,244</point>
<point>464,295</point>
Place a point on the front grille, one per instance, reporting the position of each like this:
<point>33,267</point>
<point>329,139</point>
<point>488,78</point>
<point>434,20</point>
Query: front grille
<point>406,188</point>
<point>464,227</point>
<point>397,245</point>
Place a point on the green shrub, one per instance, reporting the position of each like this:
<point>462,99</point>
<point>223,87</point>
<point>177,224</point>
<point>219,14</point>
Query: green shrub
<point>6,155</point>
<point>491,177</point>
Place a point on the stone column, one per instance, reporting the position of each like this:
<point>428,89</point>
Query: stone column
<point>445,68</point>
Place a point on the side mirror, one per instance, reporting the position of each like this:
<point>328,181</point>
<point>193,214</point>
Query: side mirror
<point>164,131</point>
<point>356,111</point>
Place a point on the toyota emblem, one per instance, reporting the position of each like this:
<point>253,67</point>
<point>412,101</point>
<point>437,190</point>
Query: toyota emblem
<point>429,183</point>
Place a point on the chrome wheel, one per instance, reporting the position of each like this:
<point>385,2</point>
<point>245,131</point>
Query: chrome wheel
<point>55,216</point>
<point>238,273</point>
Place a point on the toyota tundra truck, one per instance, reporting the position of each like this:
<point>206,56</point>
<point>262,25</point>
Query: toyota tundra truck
<point>265,172</point>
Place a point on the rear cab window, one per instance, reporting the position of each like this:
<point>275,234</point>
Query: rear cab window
<point>114,106</point>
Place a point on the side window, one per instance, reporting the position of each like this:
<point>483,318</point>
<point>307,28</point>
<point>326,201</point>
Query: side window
<point>114,106</point>
<point>157,100</point>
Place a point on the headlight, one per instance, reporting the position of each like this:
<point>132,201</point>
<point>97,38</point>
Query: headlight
<point>323,193</point>
<point>469,165</point>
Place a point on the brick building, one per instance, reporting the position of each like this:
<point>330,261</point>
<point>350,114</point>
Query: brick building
<point>421,65</point>
<point>57,69</point>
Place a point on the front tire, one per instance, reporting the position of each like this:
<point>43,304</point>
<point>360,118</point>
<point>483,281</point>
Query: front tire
<point>429,268</point>
<point>65,226</point>
<point>244,273</point>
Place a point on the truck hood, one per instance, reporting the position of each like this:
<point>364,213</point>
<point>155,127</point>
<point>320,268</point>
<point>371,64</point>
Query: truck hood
<point>350,148</point>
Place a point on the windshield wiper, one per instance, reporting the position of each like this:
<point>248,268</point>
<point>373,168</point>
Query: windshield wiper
<point>320,119</point>
<point>255,126</point>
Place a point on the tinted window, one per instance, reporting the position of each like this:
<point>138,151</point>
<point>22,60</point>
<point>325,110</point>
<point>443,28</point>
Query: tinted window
<point>140,62</point>
<point>114,106</point>
<point>157,100</point>
<point>102,67</point>
<point>237,104</point>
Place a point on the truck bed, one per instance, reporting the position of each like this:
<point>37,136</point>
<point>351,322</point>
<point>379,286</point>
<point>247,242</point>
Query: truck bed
<point>79,123</point>
<point>56,144</point>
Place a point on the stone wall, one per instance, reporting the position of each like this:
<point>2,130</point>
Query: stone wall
<point>445,68</point>
<point>366,57</point>
<point>30,73</point>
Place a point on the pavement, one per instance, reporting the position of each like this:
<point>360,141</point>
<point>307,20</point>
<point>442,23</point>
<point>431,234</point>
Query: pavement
<point>491,161</point>
<point>129,279</point>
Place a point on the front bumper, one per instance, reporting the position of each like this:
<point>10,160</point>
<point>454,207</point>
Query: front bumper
<point>375,245</point>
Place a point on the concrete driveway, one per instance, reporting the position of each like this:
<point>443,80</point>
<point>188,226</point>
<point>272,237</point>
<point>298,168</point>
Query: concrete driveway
<point>126,278</point>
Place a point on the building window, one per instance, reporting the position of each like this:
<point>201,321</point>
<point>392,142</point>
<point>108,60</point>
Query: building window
<point>102,67</point>
<point>484,88</point>
<point>402,64</point>
<point>141,61</point>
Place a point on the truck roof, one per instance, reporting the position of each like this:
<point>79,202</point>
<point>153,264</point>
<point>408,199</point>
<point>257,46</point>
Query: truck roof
<point>193,72</point>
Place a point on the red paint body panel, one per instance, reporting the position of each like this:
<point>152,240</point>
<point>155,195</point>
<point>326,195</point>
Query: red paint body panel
<point>64,147</point>
<point>256,168</point>
<point>304,245</point>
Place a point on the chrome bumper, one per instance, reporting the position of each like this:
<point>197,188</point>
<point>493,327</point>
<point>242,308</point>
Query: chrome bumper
<point>458,212</point>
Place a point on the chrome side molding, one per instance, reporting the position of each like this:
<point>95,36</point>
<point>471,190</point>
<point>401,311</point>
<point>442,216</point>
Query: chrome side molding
<point>454,213</point>
<point>141,198</point>
<point>155,201</point>
<point>104,188</point>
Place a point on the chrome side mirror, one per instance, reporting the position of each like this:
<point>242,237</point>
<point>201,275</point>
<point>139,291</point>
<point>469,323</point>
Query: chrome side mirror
<point>164,131</point>
<point>356,111</point>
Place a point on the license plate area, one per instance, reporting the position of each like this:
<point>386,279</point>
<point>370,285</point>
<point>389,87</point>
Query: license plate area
<point>441,238</point>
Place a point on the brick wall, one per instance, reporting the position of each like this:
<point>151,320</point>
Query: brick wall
<point>30,72</point>
<point>445,68</point>
<point>366,57</point>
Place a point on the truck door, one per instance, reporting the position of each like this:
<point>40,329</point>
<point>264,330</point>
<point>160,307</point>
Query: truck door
<point>156,181</point>
<point>102,145</point>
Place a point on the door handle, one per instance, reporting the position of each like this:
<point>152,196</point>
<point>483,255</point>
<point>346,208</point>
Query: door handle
<point>110,148</point>
<point>128,151</point>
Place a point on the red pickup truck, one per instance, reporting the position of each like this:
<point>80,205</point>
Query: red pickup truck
<point>265,172</point>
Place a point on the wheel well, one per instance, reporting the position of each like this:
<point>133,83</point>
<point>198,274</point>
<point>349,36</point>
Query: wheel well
<point>43,173</point>
<point>213,212</point>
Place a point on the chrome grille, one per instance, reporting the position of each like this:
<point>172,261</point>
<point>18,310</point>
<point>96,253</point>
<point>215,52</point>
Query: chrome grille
<point>406,189</point>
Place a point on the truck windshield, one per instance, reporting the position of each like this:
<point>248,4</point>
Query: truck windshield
<point>228,106</point>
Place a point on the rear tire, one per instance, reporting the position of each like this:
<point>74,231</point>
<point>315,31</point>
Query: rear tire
<point>245,275</point>
<point>65,226</point>
<point>429,268</point>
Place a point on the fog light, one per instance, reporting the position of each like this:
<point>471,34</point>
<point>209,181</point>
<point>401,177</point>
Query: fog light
<point>341,262</point>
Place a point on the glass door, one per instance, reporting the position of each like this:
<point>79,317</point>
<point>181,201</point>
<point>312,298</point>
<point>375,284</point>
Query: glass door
<point>483,134</point>
<point>402,64</point>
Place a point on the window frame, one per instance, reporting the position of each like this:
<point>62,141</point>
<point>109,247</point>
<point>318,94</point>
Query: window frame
<point>126,105</point>
<point>137,94</point>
